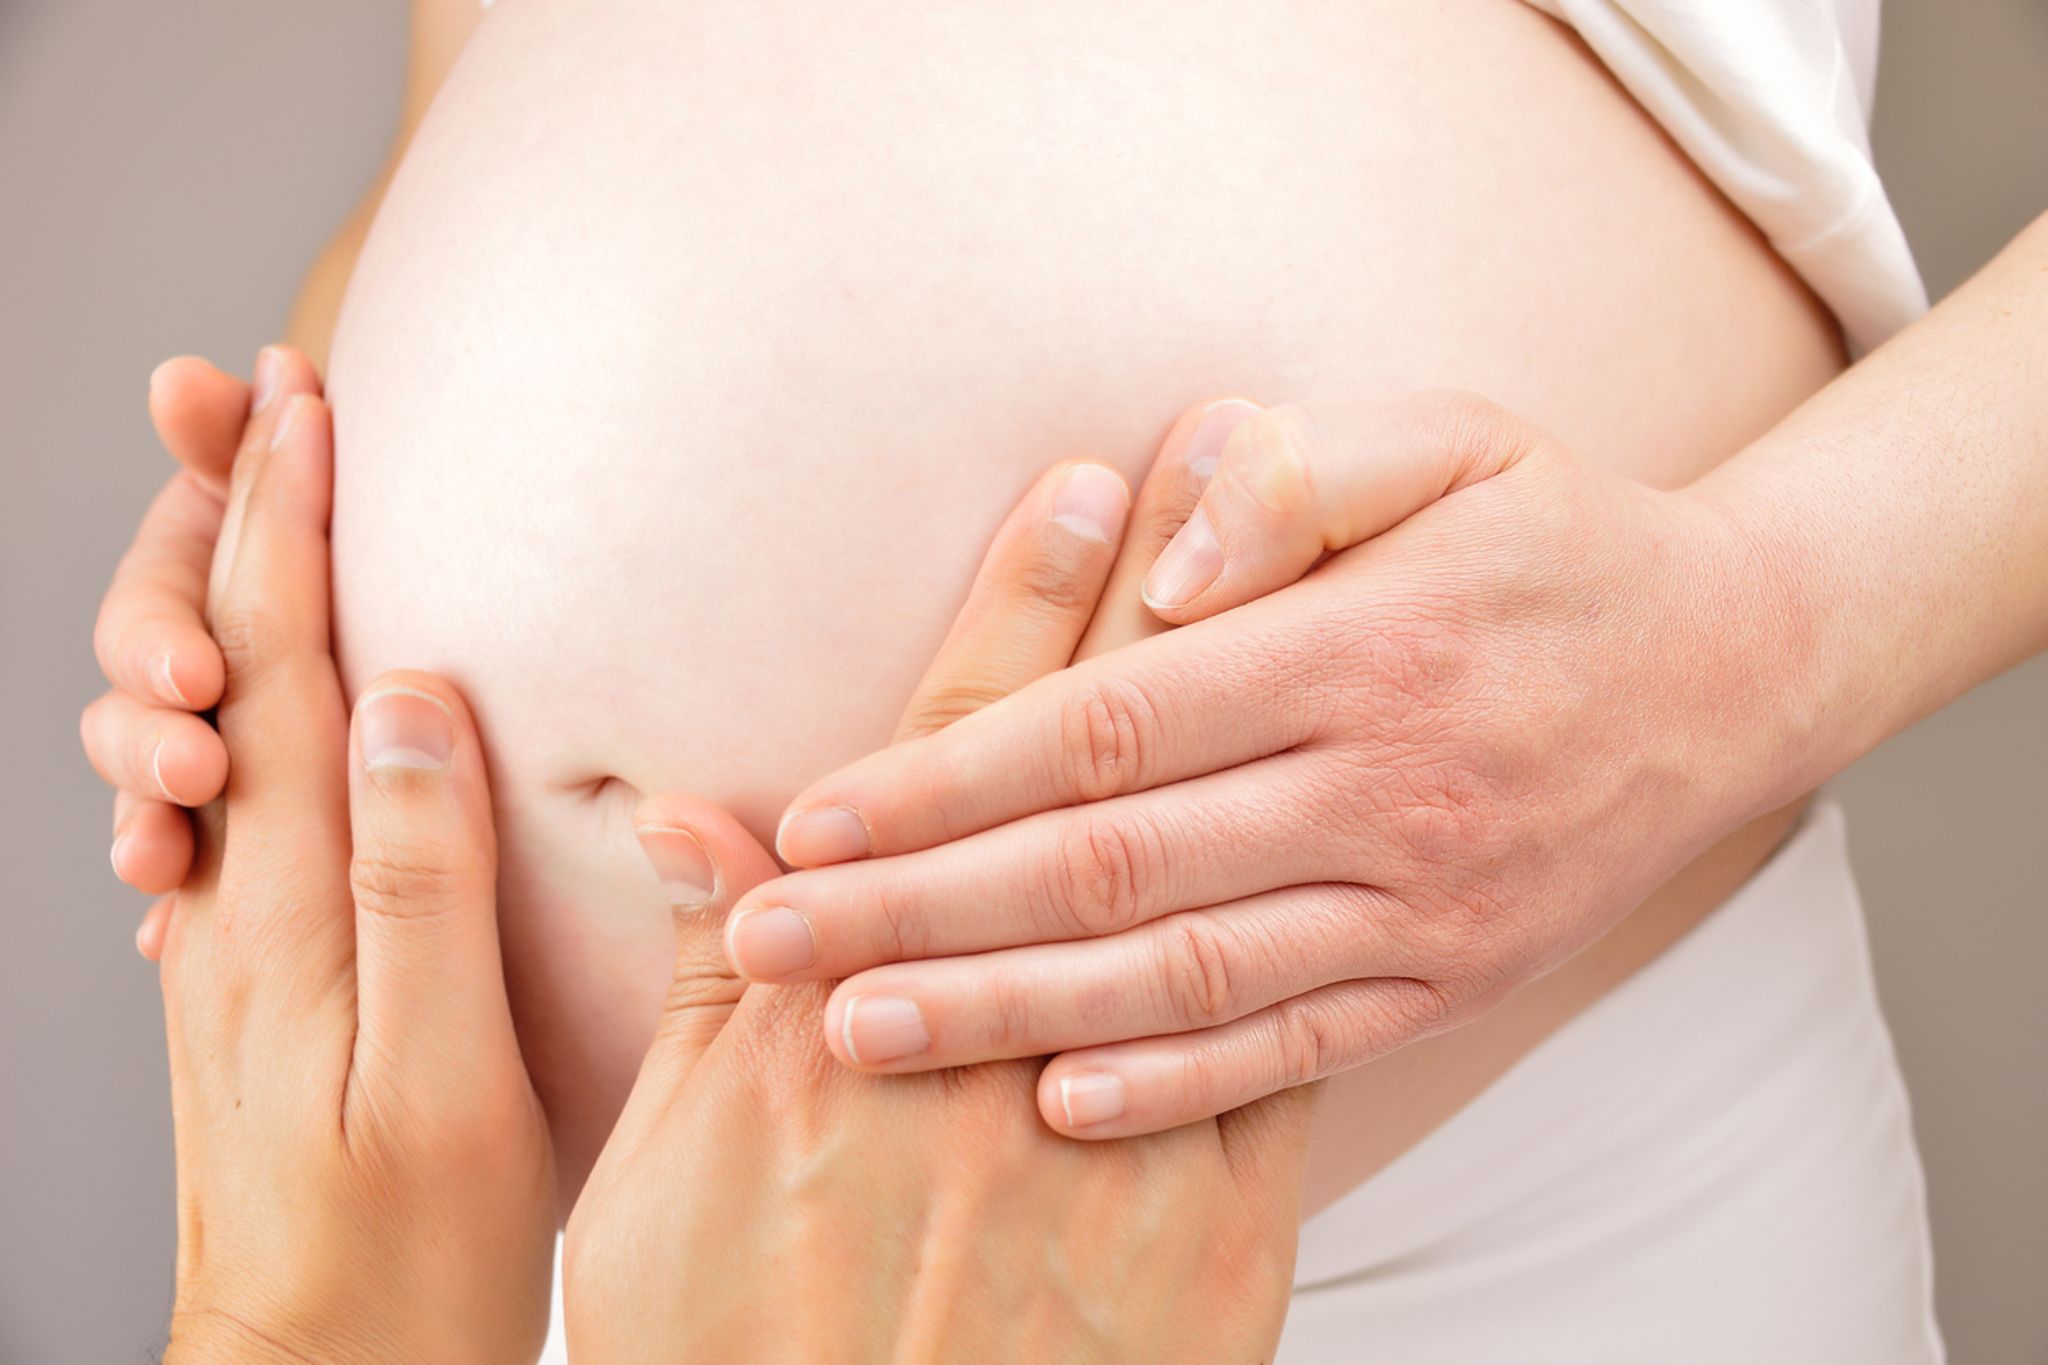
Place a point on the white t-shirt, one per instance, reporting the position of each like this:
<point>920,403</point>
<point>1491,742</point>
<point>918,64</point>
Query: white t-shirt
<point>1772,100</point>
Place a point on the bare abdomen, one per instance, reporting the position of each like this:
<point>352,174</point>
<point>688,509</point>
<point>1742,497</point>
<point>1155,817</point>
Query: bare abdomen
<point>698,350</point>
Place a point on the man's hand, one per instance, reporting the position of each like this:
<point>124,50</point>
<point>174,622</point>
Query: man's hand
<point>1311,827</point>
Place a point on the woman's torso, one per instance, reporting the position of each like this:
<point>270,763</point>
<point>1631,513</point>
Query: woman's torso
<point>699,348</point>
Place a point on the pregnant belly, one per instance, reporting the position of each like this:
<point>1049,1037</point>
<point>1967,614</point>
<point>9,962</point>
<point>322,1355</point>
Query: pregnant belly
<point>698,349</point>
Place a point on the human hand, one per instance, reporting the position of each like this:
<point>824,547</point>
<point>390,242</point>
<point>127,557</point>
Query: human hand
<point>759,1202</point>
<point>363,1170</point>
<point>145,735</point>
<point>1310,827</point>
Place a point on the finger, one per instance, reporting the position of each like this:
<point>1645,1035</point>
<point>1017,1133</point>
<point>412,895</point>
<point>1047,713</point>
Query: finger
<point>1083,873</point>
<point>286,378</point>
<point>1186,460</point>
<point>1302,481</point>
<point>1126,1089</point>
<point>1157,712</point>
<point>281,713</point>
<point>152,848</point>
<point>149,935</point>
<point>1186,972</point>
<point>199,413</point>
<point>152,752</point>
<point>704,860</point>
<point>151,637</point>
<point>1031,599</point>
<point>430,981</point>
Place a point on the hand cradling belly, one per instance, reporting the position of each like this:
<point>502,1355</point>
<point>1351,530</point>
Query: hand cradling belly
<point>699,349</point>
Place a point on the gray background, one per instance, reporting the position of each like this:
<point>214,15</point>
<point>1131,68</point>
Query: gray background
<point>166,170</point>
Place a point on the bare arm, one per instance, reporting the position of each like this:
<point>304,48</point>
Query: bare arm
<point>1907,504</point>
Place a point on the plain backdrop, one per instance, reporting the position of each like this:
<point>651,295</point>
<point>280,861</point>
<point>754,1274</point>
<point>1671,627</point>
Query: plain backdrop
<point>166,169</point>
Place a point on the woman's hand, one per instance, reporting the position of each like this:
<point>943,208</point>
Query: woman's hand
<point>1314,826</point>
<point>363,1170</point>
<point>759,1202</point>
<point>145,735</point>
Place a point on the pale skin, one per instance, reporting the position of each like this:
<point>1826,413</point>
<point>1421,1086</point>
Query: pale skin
<point>1928,670</point>
<point>343,1055</point>
<point>1308,284</point>
<point>1496,755</point>
<point>187,765</point>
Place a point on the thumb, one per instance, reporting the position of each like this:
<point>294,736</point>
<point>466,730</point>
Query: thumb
<point>705,860</point>
<point>430,985</point>
<point>1298,482</point>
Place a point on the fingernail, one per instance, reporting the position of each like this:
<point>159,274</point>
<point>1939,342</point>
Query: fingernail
<point>831,834</point>
<point>882,1028</point>
<point>1091,1097</point>
<point>291,415</point>
<point>1188,565</point>
<point>160,667</point>
<point>1091,503</point>
<point>114,855</point>
<point>679,859</point>
<point>767,943</point>
<point>156,770</point>
<point>1212,433</point>
<point>269,367</point>
<point>405,729</point>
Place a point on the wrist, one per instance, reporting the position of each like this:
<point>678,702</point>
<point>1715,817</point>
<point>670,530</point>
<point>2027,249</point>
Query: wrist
<point>1766,603</point>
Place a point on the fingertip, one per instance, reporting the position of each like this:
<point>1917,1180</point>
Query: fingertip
<point>771,943</point>
<point>199,413</point>
<point>149,934</point>
<point>1086,1102</point>
<point>1210,430</point>
<point>189,762</point>
<point>187,674</point>
<point>1092,501</point>
<point>681,862</point>
<point>152,849</point>
<point>409,721</point>
<point>816,836</point>
<point>689,840</point>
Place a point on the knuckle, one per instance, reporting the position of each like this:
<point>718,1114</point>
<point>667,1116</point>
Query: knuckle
<point>1107,733</point>
<point>942,704</point>
<point>247,633</point>
<point>1309,1040</point>
<point>1057,584</point>
<point>1010,1021</point>
<point>1199,984</point>
<point>1102,870</point>
<point>412,883</point>
<point>906,928</point>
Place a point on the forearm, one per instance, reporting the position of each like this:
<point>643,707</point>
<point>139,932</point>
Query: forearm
<point>1904,511</point>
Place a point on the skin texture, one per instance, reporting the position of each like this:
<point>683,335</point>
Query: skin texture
<point>916,1218</point>
<point>1479,771</point>
<point>364,1171</point>
<point>428,1190</point>
<point>1493,761</point>
<point>1884,566</point>
<point>713,453</point>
